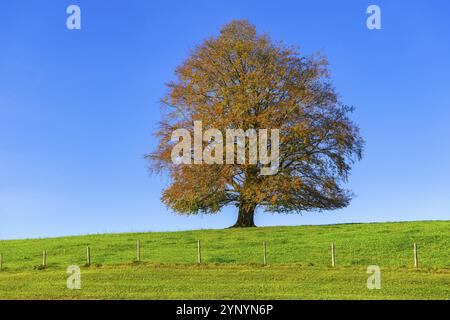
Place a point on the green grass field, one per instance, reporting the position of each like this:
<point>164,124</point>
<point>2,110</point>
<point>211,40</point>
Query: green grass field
<point>299,264</point>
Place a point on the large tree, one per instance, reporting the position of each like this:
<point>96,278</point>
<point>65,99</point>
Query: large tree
<point>242,79</point>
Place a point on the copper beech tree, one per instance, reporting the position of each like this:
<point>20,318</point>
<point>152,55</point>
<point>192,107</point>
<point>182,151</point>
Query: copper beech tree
<point>243,80</point>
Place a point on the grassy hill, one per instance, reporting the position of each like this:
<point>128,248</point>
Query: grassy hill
<point>298,263</point>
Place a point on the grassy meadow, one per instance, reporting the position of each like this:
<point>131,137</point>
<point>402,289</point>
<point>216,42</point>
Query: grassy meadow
<point>299,264</point>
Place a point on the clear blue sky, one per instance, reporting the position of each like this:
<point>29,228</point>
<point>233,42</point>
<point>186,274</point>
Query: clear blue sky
<point>78,108</point>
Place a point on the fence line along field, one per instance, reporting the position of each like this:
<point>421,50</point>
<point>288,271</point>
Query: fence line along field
<point>266,263</point>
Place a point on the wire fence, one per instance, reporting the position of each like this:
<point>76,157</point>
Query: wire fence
<point>141,252</point>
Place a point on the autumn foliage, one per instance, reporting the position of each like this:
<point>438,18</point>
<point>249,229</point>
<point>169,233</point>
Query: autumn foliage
<point>242,79</point>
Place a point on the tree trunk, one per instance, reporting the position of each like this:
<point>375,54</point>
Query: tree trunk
<point>245,217</point>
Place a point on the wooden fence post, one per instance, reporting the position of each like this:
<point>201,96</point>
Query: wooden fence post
<point>416,259</point>
<point>138,251</point>
<point>333,257</point>
<point>88,256</point>
<point>199,252</point>
<point>264,253</point>
<point>1,261</point>
<point>44,259</point>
